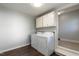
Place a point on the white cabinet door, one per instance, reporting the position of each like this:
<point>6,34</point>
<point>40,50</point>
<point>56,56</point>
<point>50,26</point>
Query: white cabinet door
<point>39,22</point>
<point>51,19</point>
<point>43,45</point>
<point>34,41</point>
<point>45,20</point>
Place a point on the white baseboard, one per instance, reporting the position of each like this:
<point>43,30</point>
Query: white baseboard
<point>13,48</point>
<point>74,41</point>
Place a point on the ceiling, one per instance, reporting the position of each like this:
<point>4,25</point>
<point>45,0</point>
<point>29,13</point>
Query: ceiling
<point>29,9</point>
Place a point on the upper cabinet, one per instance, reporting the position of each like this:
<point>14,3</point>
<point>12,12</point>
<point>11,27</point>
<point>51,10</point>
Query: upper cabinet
<point>46,20</point>
<point>39,22</point>
<point>51,19</point>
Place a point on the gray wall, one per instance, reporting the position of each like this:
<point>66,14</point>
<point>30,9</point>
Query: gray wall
<point>69,25</point>
<point>15,29</point>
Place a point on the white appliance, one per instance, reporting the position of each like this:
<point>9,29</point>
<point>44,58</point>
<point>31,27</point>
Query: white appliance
<point>43,42</point>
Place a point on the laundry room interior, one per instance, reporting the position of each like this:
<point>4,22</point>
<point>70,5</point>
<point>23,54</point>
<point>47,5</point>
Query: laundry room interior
<point>39,29</point>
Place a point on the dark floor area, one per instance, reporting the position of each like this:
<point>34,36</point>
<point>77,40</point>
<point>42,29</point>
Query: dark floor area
<point>24,51</point>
